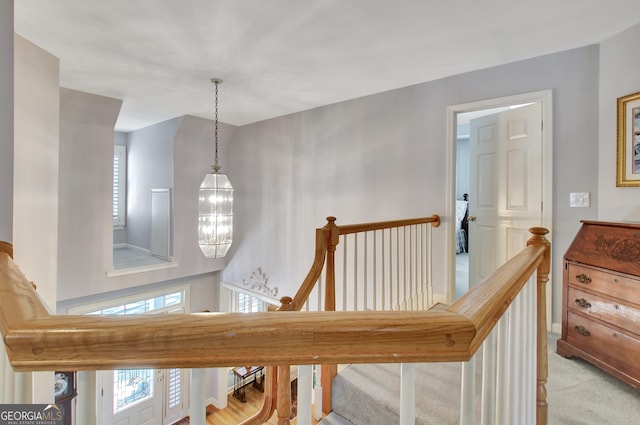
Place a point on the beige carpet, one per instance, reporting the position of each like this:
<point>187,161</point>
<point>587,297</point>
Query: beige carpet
<point>578,393</point>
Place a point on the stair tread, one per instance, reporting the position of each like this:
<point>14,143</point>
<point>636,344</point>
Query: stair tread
<point>334,419</point>
<point>370,393</point>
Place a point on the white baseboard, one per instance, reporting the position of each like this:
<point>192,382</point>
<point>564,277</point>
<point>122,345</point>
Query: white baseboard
<point>139,249</point>
<point>131,247</point>
<point>556,328</point>
<point>216,403</point>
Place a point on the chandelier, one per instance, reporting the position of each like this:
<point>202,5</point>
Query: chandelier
<point>215,204</point>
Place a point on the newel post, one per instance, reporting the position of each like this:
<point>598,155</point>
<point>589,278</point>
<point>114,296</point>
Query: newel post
<point>332,242</point>
<point>544,268</point>
<point>283,403</point>
<point>328,372</point>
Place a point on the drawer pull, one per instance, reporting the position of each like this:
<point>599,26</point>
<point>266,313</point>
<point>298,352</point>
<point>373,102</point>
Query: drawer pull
<point>582,330</point>
<point>581,302</point>
<point>583,278</point>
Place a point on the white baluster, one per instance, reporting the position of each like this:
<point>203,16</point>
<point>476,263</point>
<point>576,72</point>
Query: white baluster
<point>515,362</point>
<point>488,412</point>
<point>407,394</point>
<point>305,387</point>
<point>502,375</point>
<point>86,399</point>
<point>467,392</point>
<point>6,373</point>
<point>197,409</point>
<point>317,407</point>
<point>531,348</point>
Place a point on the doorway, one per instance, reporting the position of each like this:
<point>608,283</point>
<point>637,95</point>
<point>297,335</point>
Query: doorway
<point>467,111</point>
<point>141,396</point>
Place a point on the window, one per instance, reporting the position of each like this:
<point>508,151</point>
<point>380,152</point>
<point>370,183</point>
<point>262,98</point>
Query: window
<point>119,185</point>
<point>249,304</point>
<point>133,386</point>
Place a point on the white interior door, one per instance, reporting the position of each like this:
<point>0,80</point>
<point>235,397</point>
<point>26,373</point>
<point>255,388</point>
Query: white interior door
<point>505,196</point>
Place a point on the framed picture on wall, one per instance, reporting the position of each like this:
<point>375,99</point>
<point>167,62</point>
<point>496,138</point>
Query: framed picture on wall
<point>628,154</point>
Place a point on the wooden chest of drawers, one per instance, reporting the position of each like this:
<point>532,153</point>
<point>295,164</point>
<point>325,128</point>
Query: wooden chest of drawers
<point>601,299</point>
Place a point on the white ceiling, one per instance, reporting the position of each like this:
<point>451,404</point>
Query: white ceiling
<point>277,57</point>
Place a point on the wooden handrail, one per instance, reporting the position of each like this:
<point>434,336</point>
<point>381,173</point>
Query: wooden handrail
<point>36,340</point>
<point>379,225</point>
<point>322,236</point>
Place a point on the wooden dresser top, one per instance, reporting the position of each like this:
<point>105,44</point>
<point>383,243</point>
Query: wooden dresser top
<point>612,246</point>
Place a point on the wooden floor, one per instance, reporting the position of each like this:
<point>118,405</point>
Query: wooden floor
<point>236,411</point>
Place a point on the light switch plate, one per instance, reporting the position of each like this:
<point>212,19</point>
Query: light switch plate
<point>579,199</point>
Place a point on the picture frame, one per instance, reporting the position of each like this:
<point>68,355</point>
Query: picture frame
<point>628,150</point>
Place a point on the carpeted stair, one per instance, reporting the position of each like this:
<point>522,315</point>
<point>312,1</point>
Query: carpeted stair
<point>578,393</point>
<point>370,394</point>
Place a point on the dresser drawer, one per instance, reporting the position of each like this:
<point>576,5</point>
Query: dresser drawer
<point>615,348</point>
<point>614,285</point>
<point>612,312</point>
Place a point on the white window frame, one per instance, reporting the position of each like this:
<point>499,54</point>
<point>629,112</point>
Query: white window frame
<point>119,189</point>
<point>183,306</point>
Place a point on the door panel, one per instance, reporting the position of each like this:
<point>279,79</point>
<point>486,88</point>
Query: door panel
<point>516,240</point>
<point>516,180</point>
<point>486,181</point>
<point>486,258</point>
<point>506,186</point>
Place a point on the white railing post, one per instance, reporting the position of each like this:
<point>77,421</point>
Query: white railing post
<point>502,372</point>
<point>197,411</point>
<point>407,394</point>
<point>429,256</point>
<point>86,399</point>
<point>467,392</point>
<point>317,406</point>
<point>515,371</point>
<point>305,387</point>
<point>531,348</point>
<point>489,372</point>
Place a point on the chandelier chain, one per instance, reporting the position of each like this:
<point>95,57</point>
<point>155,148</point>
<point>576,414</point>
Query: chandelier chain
<point>216,82</point>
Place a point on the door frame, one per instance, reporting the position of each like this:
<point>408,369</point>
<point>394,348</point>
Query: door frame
<point>545,97</point>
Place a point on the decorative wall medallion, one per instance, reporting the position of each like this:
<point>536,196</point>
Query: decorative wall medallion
<point>621,250</point>
<point>258,282</point>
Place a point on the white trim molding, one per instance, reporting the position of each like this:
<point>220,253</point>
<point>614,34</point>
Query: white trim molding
<point>545,98</point>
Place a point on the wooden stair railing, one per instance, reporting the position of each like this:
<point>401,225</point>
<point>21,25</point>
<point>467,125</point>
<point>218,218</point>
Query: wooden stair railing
<point>327,239</point>
<point>37,340</point>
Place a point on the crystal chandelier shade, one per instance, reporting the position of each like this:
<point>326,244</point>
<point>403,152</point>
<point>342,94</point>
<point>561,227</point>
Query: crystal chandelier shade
<point>215,205</point>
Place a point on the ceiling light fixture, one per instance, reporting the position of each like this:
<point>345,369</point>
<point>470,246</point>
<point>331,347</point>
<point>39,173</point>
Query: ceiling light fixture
<point>215,204</point>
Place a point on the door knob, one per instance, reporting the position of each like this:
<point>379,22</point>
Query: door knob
<point>472,218</point>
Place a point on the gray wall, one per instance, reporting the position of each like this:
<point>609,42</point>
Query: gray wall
<point>383,157</point>
<point>619,76</point>
<point>149,166</point>
<point>35,165</point>
<point>86,153</point>
<point>86,187</point>
<point>6,121</point>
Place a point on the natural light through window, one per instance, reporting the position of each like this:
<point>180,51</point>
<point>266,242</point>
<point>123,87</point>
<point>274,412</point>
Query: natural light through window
<point>249,304</point>
<point>133,386</point>
<point>119,184</point>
